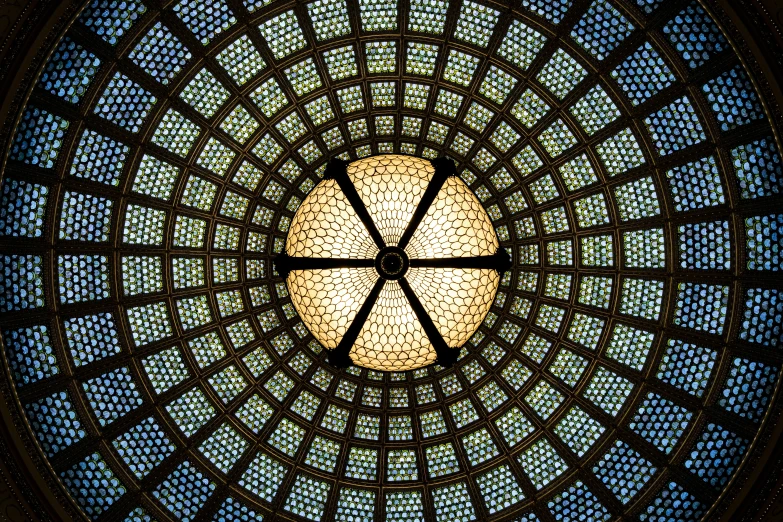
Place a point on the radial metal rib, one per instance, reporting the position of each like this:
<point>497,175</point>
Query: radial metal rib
<point>446,356</point>
<point>340,357</point>
<point>338,170</point>
<point>444,168</point>
<point>499,261</point>
<point>284,263</point>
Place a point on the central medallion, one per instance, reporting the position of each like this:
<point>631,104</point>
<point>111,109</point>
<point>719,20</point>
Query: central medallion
<point>392,263</point>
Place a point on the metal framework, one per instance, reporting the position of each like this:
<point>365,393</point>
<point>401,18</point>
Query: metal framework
<point>738,278</point>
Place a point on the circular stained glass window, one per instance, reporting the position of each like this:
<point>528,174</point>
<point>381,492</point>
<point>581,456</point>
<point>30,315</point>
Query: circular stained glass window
<point>392,262</point>
<point>201,199</point>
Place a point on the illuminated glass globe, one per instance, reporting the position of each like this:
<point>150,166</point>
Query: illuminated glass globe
<point>392,262</point>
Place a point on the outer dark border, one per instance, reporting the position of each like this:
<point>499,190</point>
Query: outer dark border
<point>29,29</point>
<point>755,28</point>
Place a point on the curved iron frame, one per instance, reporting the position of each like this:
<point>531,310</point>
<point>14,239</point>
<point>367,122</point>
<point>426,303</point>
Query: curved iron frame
<point>744,476</point>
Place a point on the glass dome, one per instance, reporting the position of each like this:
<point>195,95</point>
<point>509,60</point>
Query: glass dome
<point>168,153</point>
<point>392,262</point>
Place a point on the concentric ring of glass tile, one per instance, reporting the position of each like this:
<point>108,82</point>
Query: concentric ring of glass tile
<point>144,197</point>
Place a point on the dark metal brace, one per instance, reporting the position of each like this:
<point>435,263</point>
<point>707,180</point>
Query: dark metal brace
<point>284,263</point>
<point>339,357</point>
<point>447,356</point>
<point>444,168</point>
<point>337,170</point>
<point>499,261</point>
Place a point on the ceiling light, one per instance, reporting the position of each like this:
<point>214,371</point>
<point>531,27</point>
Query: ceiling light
<point>392,262</point>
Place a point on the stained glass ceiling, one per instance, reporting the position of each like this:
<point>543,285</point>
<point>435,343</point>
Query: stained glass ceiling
<point>626,162</point>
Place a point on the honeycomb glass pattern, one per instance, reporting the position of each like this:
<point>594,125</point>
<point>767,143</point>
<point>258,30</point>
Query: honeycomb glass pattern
<point>326,226</point>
